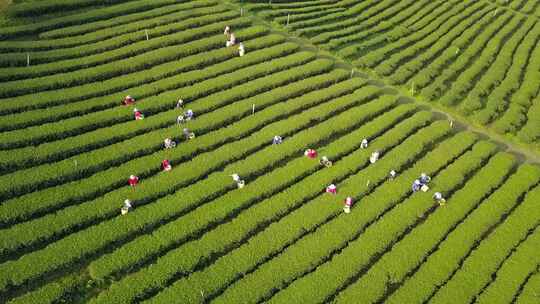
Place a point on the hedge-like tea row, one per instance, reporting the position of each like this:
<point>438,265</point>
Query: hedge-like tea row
<point>71,221</point>
<point>97,14</point>
<point>169,235</point>
<point>492,76</point>
<point>159,105</point>
<point>114,177</point>
<point>419,285</point>
<point>529,294</point>
<point>226,205</point>
<point>447,46</point>
<point>451,16</point>
<point>430,75</point>
<point>163,49</point>
<point>36,8</point>
<point>298,223</point>
<point>219,211</point>
<point>271,242</point>
<point>531,130</point>
<point>50,293</point>
<point>351,29</point>
<point>104,40</point>
<point>156,142</point>
<point>297,11</point>
<point>427,15</point>
<point>450,29</point>
<point>449,68</point>
<point>374,238</point>
<point>343,268</point>
<point>514,116</point>
<point>120,47</point>
<point>33,155</point>
<point>515,62</point>
<point>48,174</point>
<point>130,82</point>
<point>202,166</point>
<point>282,18</point>
<point>465,81</point>
<point>415,246</point>
<point>290,5</point>
<point>53,198</point>
<point>478,267</point>
<point>338,20</point>
<point>155,80</point>
<point>419,22</point>
<point>129,22</point>
<point>99,30</point>
<point>515,270</point>
<point>377,24</point>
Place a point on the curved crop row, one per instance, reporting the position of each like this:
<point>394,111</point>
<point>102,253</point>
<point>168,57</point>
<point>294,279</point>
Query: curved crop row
<point>422,282</point>
<point>442,47</point>
<point>94,15</point>
<point>493,74</point>
<point>499,98</point>
<point>485,260</point>
<point>394,19</point>
<point>531,130</point>
<point>106,50</point>
<point>514,117</point>
<point>36,8</point>
<point>469,77</point>
<point>513,272</point>
<point>335,21</point>
<point>415,24</point>
<point>153,81</point>
<point>267,105</point>
<point>451,16</point>
<point>159,106</point>
<point>115,177</point>
<point>95,31</point>
<point>417,244</point>
<point>51,176</point>
<point>390,65</point>
<point>431,70</point>
<point>211,211</point>
<point>34,155</point>
<point>163,49</point>
<point>444,71</point>
<point>264,212</point>
<point>272,239</point>
<point>377,236</point>
<point>372,242</point>
<point>529,294</point>
<point>248,257</point>
<point>285,18</point>
<point>151,244</point>
<point>124,23</point>
<point>87,91</point>
<point>50,293</point>
<point>340,36</point>
<point>72,221</point>
<point>165,184</point>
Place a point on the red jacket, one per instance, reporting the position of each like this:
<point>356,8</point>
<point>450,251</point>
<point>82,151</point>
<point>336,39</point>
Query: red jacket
<point>133,180</point>
<point>311,153</point>
<point>165,165</point>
